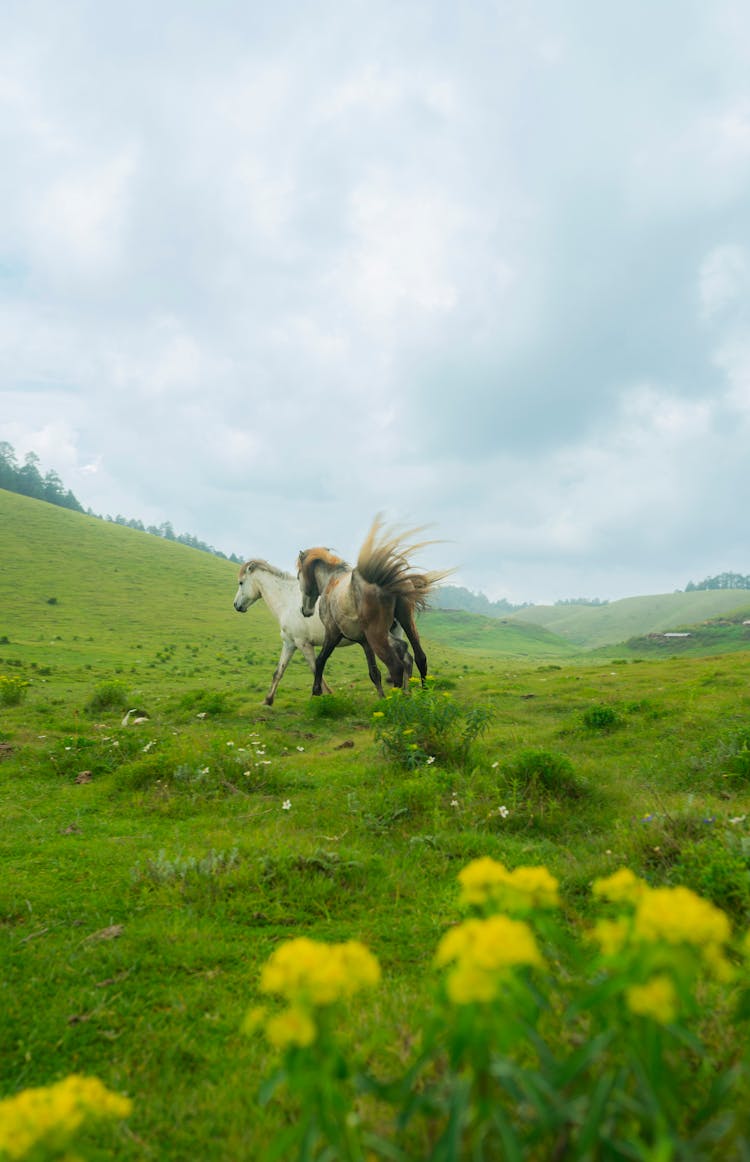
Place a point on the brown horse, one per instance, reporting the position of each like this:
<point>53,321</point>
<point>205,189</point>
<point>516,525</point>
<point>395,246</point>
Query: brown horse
<point>364,603</point>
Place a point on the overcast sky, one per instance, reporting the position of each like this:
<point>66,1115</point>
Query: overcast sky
<point>268,269</point>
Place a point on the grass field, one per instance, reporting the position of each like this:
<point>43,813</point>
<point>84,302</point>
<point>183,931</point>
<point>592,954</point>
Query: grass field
<point>150,869</point>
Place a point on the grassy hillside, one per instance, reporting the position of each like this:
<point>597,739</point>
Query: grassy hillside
<point>476,633</point>
<point>590,626</point>
<point>150,870</point>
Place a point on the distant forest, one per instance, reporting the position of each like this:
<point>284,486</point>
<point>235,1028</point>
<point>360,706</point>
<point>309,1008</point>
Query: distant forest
<point>721,581</point>
<point>456,597</point>
<point>27,480</point>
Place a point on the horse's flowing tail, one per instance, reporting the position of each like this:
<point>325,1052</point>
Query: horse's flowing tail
<point>384,561</point>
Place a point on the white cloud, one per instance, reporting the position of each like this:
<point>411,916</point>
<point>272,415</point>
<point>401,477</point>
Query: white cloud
<point>266,271</point>
<point>724,280</point>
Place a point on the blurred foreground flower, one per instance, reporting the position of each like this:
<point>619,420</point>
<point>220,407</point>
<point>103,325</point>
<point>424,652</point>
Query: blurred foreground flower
<point>44,1120</point>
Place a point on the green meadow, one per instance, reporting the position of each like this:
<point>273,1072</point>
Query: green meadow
<point>150,869</point>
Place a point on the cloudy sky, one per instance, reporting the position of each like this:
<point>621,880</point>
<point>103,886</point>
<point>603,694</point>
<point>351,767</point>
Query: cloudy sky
<point>268,269</point>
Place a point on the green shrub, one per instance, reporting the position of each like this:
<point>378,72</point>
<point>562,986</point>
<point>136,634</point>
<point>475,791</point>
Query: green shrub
<point>330,706</point>
<point>162,870</point>
<point>107,696</point>
<point>601,718</point>
<point>542,775</point>
<point>736,757</point>
<point>12,690</point>
<point>205,703</point>
<point>426,725</point>
<point>719,869</point>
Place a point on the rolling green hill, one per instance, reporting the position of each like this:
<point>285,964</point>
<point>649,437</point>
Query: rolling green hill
<point>590,626</point>
<point>92,590</point>
<point>100,589</point>
<point>487,635</point>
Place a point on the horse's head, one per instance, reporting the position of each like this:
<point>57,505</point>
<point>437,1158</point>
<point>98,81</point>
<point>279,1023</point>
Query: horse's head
<point>248,590</point>
<point>308,583</point>
<point>314,569</point>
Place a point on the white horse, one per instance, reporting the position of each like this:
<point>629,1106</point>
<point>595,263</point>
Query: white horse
<point>280,591</point>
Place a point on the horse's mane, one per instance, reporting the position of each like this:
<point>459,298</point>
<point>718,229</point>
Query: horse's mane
<point>324,556</point>
<point>384,560</point>
<point>259,563</point>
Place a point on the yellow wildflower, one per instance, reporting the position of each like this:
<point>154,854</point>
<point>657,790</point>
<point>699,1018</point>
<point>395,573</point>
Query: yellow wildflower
<point>483,952</point>
<point>479,878</point>
<point>656,999</point>
<point>292,1027</point>
<point>486,881</point>
<point>53,1113</point>
<point>622,887</point>
<point>679,916</point>
<point>530,887</point>
<point>611,935</point>
<point>308,971</point>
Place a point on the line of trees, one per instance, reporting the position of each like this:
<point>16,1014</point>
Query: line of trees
<point>721,581</point>
<point>27,480</point>
<point>582,601</point>
<point>456,597</point>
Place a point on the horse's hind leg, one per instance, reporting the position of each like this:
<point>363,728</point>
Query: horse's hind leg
<point>372,669</point>
<point>405,618</point>
<point>386,649</point>
<point>406,659</point>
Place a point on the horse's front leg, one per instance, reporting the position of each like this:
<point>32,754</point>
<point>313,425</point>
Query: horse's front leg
<point>287,650</point>
<point>372,669</point>
<point>329,645</point>
<point>309,654</point>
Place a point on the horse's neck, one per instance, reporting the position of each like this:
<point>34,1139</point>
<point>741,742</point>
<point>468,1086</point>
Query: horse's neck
<point>277,591</point>
<point>325,571</point>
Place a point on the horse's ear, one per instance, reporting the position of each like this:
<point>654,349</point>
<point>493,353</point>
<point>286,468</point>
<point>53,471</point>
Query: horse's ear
<point>302,555</point>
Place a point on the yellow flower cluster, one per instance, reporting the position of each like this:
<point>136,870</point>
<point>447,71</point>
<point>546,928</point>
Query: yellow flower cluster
<point>309,974</point>
<point>679,916</point>
<point>315,973</point>
<point>656,999</point>
<point>663,918</point>
<point>483,952</point>
<point>51,1115</point>
<point>671,916</point>
<point>622,887</point>
<point>486,881</point>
